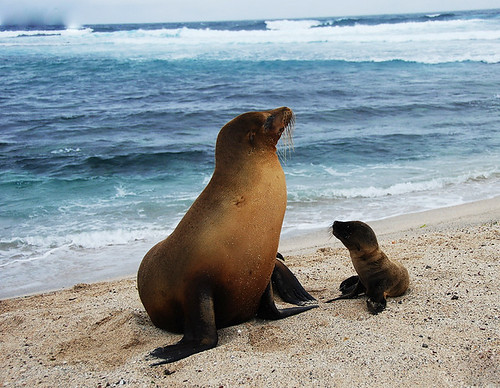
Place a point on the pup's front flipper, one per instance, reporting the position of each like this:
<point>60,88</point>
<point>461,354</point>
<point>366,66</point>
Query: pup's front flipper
<point>288,286</point>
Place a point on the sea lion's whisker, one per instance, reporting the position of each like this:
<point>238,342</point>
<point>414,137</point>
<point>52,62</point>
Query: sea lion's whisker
<point>286,141</point>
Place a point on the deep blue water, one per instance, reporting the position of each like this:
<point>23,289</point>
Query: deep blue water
<point>107,132</point>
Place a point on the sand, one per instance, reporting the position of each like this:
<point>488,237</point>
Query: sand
<point>445,331</point>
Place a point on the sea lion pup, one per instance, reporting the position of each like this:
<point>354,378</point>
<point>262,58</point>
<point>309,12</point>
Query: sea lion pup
<point>378,276</point>
<point>215,269</point>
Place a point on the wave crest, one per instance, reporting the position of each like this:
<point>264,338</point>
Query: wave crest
<point>307,195</point>
<point>287,25</point>
<point>407,39</point>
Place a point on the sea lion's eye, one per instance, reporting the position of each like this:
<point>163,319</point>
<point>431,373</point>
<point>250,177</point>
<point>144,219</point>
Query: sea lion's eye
<point>269,122</point>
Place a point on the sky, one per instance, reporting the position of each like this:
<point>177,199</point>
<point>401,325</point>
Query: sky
<point>77,12</point>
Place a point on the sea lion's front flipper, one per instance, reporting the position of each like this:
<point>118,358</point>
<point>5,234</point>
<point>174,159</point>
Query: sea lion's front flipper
<point>268,310</point>
<point>350,290</point>
<point>376,301</point>
<point>200,331</point>
<point>288,286</point>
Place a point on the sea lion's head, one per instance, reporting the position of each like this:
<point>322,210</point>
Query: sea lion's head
<point>355,235</point>
<point>256,131</point>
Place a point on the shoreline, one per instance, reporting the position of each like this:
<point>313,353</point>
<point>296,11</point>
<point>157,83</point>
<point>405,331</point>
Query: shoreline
<point>310,240</point>
<point>468,212</point>
<point>443,332</point>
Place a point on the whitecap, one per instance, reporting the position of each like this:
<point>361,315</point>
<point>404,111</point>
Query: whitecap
<point>66,150</point>
<point>287,25</point>
<point>122,192</point>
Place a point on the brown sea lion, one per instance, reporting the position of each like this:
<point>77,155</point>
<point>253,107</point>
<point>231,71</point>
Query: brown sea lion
<point>215,269</point>
<point>378,277</point>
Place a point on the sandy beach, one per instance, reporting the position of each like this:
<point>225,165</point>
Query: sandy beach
<point>445,331</point>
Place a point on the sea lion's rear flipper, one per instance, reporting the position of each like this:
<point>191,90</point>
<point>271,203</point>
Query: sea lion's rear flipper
<point>268,310</point>
<point>287,285</point>
<point>200,332</point>
<point>351,288</point>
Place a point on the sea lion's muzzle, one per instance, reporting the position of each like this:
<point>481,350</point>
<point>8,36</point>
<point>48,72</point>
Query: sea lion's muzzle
<point>280,119</point>
<point>341,230</point>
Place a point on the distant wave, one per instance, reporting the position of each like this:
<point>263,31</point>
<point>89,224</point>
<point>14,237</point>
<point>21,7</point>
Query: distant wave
<point>385,19</point>
<point>306,30</point>
<point>439,15</point>
<point>67,32</point>
<point>143,162</point>
<point>397,189</point>
<point>66,162</point>
<point>292,24</point>
<point>430,39</point>
<point>39,247</point>
<point>286,31</point>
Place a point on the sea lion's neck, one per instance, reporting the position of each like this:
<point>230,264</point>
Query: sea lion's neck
<point>234,163</point>
<point>366,254</point>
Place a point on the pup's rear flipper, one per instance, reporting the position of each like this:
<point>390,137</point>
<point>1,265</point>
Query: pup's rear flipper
<point>351,288</point>
<point>348,285</point>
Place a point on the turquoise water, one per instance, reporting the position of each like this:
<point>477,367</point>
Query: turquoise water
<point>107,132</point>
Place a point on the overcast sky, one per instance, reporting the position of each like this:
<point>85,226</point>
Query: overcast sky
<point>143,11</point>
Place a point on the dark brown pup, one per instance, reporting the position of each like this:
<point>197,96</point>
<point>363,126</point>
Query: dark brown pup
<point>378,277</point>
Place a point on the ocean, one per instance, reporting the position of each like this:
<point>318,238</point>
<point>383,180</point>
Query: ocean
<point>107,132</point>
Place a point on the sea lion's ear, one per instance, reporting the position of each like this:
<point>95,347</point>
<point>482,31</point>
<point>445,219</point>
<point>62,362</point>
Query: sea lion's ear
<point>251,137</point>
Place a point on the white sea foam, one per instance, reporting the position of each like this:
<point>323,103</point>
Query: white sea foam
<point>41,246</point>
<point>328,192</point>
<point>76,32</point>
<point>299,31</point>
<point>66,150</point>
<point>70,32</point>
<point>122,192</point>
<point>304,215</point>
<point>434,41</point>
<point>302,32</point>
<point>291,24</point>
<point>333,172</point>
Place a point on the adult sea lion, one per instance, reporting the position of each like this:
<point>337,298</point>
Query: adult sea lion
<point>378,277</point>
<point>215,269</point>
